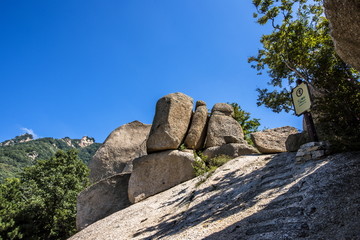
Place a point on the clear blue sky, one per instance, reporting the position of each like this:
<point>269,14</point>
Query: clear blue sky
<point>85,67</point>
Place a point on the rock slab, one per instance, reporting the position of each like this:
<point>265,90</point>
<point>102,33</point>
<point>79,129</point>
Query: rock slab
<point>195,138</point>
<point>160,171</point>
<point>122,146</point>
<point>272,140</point>
<point>171,122</point>
<point>102,199</point>
<point>223,128</point>
<point>250,197</point>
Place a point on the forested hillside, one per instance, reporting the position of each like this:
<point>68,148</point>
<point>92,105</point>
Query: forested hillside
<point>22,151</point>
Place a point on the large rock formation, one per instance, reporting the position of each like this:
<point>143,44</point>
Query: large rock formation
<point>232,150</point>
<point>344,17</point>
<point>272,140</point>
<point>195,138</point>
<point>102,199</point>
<point>122,146</point>
<point>171,122</point>
<point>157,172</point>
<point>250,197</point>
<point>223,128</point>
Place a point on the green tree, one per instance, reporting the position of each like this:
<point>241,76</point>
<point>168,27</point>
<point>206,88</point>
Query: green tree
<point>248,124</point>
<point>300,47</point>
<point>41,204</point>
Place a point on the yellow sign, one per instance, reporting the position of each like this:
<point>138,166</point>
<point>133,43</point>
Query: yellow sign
<point>301,98</point>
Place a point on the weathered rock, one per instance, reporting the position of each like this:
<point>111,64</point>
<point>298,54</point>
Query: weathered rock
<point>223,128</point>
<point>231,149</point>
<point>344,18</point>
<point>223,109</point>
<point>272,140</point>
<point>120,147</point>
<point>171,122</point>
<point>251,197</point>
<point>157,172</point>
<point>105,197</point>
<point>294,141</point>
<point>195,138</point>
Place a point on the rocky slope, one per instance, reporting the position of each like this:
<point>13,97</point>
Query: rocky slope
<point>250,197</point>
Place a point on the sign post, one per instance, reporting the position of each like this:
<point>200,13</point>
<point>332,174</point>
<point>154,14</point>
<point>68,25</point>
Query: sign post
<point>302,104</point>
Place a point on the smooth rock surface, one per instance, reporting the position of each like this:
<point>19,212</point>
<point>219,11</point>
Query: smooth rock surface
<point>160,171</point>
<point>223,128</point>
<point>344,18</point>
<point>171,122</point>
<point>195,139</point>
<point>250,197</point>
<point>103,198</point>
<point>122,145</point>
<point>272,140</point>
<point>231,149</point>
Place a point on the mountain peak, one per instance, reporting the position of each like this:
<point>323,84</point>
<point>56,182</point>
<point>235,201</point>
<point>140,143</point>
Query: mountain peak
<point>26,137</point>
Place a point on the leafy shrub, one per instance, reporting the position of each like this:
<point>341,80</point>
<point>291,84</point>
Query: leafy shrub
<point>41,203</point>
<point>206,166</point>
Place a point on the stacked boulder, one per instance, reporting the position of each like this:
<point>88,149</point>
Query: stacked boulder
<point>195,138</point>
<point>138,160</point>
<point>165,166</point>
<point>225,135</point>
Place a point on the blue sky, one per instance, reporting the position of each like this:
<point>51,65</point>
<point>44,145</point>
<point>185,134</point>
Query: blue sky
<point>85,67</point>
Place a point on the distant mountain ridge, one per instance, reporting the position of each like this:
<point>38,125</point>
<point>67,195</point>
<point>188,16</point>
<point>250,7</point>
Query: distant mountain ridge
<point>22,151</point>
<point>18,139</point>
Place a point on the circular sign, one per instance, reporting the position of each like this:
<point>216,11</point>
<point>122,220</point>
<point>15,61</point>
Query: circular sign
<point>299,92</point>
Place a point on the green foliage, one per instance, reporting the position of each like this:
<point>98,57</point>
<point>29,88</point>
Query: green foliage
<point>206,166</point>
<point>248,124</point>
<point>41,204</point>
<point>182,147</point>
<point>18,155</point>
<point>300,47</point>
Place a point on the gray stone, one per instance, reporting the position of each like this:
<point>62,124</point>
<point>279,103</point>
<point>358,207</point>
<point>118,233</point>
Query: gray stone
<point>223,109</point>
<point>272,140</point>
<point>103,198</point>
<point>294,141</point>
<point>344,18</point>
<point>160,171</point>
<point>312,151</point>
<point>171,122</point>
<point>231,149</point>
<point>223,128</point>
<point>318,154</point>
<point>195,138</point>
<point>122,145</point>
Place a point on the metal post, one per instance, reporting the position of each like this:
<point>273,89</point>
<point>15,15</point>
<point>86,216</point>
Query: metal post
<point>311,127</point>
